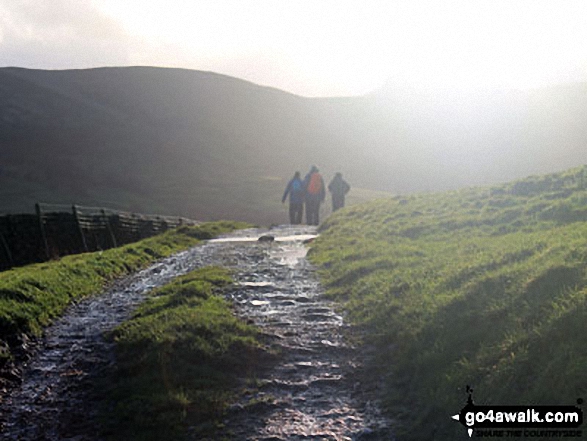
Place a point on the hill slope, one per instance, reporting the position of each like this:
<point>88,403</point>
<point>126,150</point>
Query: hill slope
<point>193,143</point>
<point>205,145</point>
<point>483,286</point>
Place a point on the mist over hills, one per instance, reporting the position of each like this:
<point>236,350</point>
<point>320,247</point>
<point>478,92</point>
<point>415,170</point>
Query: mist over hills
<point>210,146</point>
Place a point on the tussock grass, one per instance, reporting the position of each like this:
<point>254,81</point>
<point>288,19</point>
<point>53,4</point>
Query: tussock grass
<point>485,287</point>
<point>179,360</point>
<point>32,296</point>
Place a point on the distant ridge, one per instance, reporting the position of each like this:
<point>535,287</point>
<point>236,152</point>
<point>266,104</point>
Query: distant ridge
<point>206,145</point>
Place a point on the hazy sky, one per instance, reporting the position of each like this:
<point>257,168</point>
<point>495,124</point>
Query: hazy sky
<point>313,48</point>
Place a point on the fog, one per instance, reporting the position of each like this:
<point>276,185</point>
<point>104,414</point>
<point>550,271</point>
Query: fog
<point>326,48</point>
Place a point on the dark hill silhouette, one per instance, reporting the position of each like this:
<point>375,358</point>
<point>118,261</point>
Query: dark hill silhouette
<point>205,145</point>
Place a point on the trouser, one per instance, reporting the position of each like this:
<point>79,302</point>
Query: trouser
<point>312,211</point>
<point>337,202</point>
<point>296,210</point>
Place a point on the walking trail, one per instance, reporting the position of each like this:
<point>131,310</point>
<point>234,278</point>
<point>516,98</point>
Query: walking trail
<point>316,390</point>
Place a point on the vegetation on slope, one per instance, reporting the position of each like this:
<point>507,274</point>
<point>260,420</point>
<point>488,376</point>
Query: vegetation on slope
<point>32,296</point>
<point>179,359</point>
<point>207,146</point>
<point>480,287</point>
<point>196,144</point>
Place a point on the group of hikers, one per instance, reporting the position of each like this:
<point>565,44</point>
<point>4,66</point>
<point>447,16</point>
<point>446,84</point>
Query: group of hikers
<point>311,192</point>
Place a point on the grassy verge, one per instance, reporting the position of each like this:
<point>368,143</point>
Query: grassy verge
<point>178,360</point>
<point>32,296</point>
<point>480,287</point>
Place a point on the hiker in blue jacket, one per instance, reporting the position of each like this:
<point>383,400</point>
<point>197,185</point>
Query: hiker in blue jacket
<point>295,189</point>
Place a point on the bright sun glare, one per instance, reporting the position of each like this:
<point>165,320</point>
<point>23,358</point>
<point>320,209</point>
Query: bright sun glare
<point>333,47</point>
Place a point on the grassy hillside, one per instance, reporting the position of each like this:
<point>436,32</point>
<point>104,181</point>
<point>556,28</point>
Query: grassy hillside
<point>208,146</point>
<point>170,141</point>
<point>484,287</point>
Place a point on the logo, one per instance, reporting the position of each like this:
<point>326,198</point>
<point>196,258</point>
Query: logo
<point>528,421</point>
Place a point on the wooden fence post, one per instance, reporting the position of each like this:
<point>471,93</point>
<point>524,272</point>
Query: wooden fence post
<point>136,227</point>
<point>7,250</point>
<point>42,228</point>
<point>109,227</point>
<point>10,232</point>
<point>79,227</point>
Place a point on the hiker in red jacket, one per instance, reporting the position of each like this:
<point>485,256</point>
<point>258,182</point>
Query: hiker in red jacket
<point>296,192</point>
<point>315,195</point>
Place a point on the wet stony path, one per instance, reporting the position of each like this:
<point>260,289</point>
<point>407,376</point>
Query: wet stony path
<point>312,393</point>
<point>55,400</point>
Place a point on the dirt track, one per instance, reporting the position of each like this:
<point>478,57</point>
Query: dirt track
<point>314,391</point>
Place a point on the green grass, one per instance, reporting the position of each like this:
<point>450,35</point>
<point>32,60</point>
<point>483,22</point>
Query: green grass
<point>179,360</point>
<point>32,296</point>
<point>485,287</point>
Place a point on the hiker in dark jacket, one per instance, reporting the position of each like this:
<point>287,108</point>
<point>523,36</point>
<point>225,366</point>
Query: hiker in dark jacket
<point>315,195</point>
<point>295,189</point>
<point>338,188</point>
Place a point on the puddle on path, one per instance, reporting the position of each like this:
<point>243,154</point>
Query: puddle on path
<point>276,237</point>
<point>312,392</point>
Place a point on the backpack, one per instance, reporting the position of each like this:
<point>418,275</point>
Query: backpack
<point>315,184</point>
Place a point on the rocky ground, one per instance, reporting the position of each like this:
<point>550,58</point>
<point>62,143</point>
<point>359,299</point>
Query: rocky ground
<point>317,390</point>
